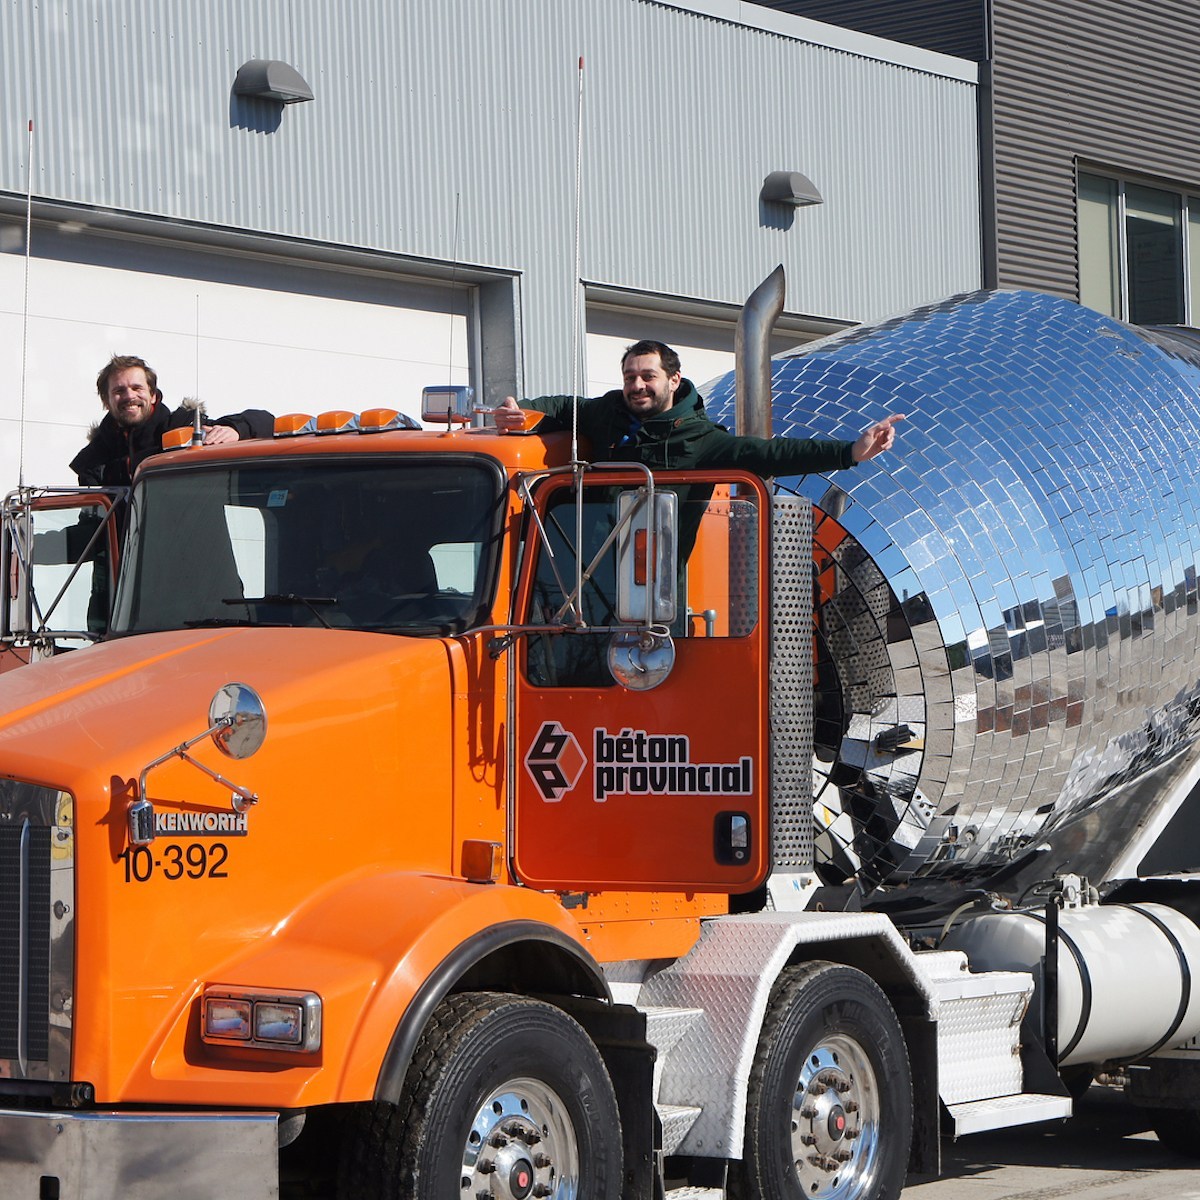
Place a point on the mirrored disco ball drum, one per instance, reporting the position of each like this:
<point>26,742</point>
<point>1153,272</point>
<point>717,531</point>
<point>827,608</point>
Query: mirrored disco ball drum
<point>1007,644</point>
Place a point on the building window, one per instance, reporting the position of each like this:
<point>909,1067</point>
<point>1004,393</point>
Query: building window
<point>1154,256</point>
<point>1139,251</point>
<point>1099,245</point>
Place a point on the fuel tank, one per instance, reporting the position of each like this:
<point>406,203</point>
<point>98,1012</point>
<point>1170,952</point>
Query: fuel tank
<point>1124,974</point>
<point>1007,638</point>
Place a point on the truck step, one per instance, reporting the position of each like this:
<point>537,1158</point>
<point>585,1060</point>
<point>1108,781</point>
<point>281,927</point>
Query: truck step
<point>676,1120</point>
<point>979,1018</point>
<point>1001,1112</point>
<point>665,1026</point>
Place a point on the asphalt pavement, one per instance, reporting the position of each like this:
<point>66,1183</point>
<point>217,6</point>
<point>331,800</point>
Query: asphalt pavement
<point>1106,1151</point>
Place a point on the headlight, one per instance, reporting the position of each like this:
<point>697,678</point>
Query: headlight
<point>263,1018</point>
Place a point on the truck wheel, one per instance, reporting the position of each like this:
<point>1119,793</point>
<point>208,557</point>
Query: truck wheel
<point>1178,1129</point>
<point>506,1097</point>
<point>829,1110</point>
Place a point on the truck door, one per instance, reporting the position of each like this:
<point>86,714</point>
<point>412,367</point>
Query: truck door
<point>657,789</point>
<point>59,555</point>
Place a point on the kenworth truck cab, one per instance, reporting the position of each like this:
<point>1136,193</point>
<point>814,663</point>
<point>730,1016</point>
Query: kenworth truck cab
<point>445,805</point>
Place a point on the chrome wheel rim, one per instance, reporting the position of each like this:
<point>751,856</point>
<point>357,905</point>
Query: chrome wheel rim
<point>835,1121</point>
<point>521,1145</point>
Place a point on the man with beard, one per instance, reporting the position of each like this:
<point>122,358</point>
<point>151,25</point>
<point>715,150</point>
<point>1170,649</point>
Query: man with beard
<point>657,418</point>
<point>136,419</point>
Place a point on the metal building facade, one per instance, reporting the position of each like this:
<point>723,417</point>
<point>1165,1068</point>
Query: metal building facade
<point>1109,86</point>
<point>441,143</point>
<point>1064,87</point>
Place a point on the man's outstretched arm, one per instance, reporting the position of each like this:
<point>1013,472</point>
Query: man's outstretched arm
<point>880,437</point>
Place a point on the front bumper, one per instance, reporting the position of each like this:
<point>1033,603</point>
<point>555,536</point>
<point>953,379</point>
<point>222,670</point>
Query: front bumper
<point>138,1156</point>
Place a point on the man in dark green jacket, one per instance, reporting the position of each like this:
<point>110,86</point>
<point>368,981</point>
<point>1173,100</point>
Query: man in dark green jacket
<point>658,418</point>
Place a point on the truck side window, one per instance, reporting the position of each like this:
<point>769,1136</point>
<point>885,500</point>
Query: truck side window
<point>60,538</point>
<point>718,594</point>
<point>717,586</point>
<point>574,659</point>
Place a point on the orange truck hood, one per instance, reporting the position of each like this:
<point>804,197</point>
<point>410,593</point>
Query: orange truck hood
<point>354,783</point>
<point>114,707</point>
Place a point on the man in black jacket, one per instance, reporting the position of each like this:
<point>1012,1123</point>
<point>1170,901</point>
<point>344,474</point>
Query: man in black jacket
<point>136,419</point>
<point>657,418</point>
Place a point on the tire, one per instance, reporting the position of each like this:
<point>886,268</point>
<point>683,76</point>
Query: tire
<point>829,1109</point>
<point>1178,1129</point>
<point>506,1097</point>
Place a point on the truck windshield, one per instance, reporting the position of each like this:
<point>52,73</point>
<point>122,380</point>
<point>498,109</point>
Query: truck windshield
<point>401,544</point>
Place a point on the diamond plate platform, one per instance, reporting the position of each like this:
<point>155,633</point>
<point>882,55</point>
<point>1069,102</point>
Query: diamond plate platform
<point>1002,1112</point>
<point>664,1028</point>
<point>727,976</point>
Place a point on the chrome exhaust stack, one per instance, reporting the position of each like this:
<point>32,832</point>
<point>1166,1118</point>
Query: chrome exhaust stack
<point>752,352</point>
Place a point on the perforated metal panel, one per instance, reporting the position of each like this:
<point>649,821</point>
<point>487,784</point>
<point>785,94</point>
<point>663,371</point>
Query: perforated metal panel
<point>744,552</point>
<point>790,698</point>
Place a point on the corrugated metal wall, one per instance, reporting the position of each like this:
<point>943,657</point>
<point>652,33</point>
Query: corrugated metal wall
<point>446,130</point>
<point>1111,84</point>
<point>956,27</point>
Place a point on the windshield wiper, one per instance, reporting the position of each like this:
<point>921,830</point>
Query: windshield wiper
<point>443,630</point>
<point>217,622</point>
<point>309,602</point>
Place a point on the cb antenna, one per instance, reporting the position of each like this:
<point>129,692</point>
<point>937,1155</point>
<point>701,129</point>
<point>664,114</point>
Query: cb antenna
<point>25,302</point>
<point>577,282</point>
<point>576,388</point>
<point>197,427</point>
<point>453,295</point>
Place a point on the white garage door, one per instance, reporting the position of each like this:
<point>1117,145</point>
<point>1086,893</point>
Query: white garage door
<point>705,347</point>
<point>237,331</point>
<point>704,351</point>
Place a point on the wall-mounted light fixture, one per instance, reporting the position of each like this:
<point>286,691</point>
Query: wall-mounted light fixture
<point>790,187</point>
<point>270,79</point>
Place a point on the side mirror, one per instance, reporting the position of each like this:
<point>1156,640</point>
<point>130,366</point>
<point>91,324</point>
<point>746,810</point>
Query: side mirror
<point>238,720</point>
<point>647,557</point>
<point>237,724</point>
<point>641,661</point>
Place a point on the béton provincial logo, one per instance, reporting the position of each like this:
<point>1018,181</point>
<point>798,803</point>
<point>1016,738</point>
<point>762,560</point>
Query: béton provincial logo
<point>554,761</point>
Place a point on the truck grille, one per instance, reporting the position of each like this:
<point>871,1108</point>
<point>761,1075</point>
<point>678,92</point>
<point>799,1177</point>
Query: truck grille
<point>36,932</point>
<point>25,943</point>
